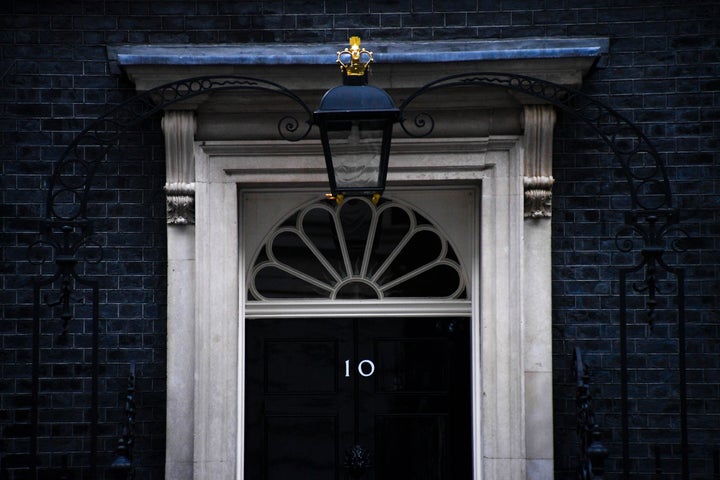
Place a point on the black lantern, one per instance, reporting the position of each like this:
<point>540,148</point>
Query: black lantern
<point>356,122</point>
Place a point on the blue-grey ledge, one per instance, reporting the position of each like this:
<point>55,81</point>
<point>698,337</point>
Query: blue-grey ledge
<point>563,60</point>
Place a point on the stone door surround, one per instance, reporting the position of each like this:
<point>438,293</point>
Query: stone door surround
<point>488,138</point>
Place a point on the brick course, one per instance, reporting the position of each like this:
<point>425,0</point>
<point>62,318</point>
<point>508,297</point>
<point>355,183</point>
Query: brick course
<point>662,73</point>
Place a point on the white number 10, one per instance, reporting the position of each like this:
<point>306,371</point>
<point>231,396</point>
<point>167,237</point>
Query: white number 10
<point>365,368</point>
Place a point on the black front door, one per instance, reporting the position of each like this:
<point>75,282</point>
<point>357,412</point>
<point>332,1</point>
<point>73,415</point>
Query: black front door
<point>358,398</point>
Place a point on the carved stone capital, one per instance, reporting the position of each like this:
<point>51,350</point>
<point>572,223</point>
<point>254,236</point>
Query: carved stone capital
<point>179,129</point>
<point>539,123</point>
<point>538,196</point>
<point>180,203</point>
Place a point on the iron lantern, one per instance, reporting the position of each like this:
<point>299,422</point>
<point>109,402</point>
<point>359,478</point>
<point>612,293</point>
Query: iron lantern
<point>356,122</point>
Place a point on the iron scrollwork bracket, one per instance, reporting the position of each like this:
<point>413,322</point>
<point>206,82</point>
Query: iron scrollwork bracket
<point>66,228</point>
<point>67,244</point>
<point>641,164</point>
<point>659,234</point>
<point>74,173</point>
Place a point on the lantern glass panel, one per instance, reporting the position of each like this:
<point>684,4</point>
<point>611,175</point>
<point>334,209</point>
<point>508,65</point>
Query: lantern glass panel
<point>356,148</point>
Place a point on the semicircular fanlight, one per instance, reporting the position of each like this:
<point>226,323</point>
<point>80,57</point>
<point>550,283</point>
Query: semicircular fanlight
<point>356,250</point>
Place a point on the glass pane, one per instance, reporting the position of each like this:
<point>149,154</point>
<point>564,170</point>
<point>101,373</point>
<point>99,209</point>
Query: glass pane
<point>439,281</point>
<point>357,170</point>
<point>355,218</point>
<point>290,250</point>
<point>272,282</point>
<point>356,290</point>
<point>319,226</point>
<point>356,155</point>
<point>317,261</point>
<point>393,226</point>
<point>424,247</point>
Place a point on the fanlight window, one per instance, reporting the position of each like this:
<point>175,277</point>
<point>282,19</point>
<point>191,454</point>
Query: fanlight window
<point>356,250</point>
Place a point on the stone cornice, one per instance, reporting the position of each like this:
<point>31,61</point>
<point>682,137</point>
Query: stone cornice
<point>397,64</point>
<point>389,52</point>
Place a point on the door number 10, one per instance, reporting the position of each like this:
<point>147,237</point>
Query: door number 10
<point>365,368</point>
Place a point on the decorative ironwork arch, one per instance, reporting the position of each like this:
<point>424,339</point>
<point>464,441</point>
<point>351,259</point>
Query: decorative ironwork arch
<point>640,162</point>
<point>71,181</point>
<point>66,232</point>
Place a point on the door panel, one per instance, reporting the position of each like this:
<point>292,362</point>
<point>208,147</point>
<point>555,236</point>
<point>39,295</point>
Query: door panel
<point>412,447</point>
<point>295,415</point>
<point>300,446</point>
<point>412,365</point>
<point>416,411</point>
<point>286,366</point>
<point>398,387</point>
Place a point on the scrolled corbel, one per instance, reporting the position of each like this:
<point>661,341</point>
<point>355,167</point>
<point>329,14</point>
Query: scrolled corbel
<point>179,129</point>
<point>539,123</point>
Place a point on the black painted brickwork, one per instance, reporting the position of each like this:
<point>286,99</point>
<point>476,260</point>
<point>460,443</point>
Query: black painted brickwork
<point>662,73</point>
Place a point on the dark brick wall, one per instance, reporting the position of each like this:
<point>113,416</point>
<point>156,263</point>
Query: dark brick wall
<point>662,73</point>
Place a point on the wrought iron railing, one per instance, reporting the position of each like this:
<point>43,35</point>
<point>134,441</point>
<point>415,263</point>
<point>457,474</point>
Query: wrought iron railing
<point>592,453</point>
<point>123,464</point>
